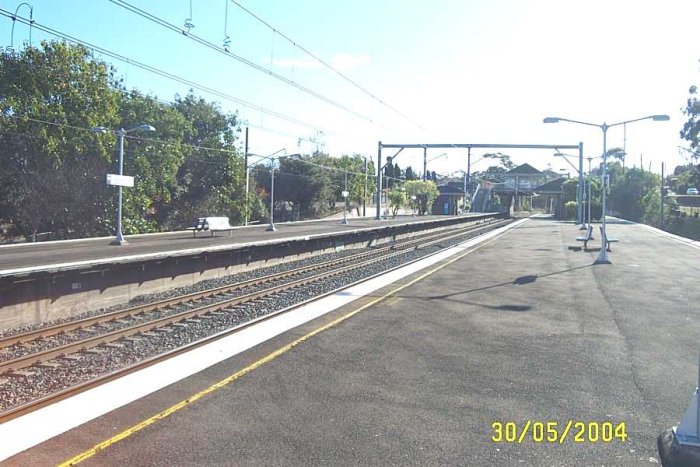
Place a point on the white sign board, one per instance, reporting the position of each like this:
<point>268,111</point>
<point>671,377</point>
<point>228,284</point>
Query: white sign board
<point>345,194</point>
<point>120,180</point>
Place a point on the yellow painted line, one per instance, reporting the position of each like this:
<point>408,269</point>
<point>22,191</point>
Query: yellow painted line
<point>284,349</point>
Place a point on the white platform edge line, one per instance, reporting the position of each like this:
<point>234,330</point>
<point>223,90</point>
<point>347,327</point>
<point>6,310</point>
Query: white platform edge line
<point>29,430</point>
<point>677,238</point>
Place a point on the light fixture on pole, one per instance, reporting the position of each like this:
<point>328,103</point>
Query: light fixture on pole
<point>603,255</point>
<point>120,180</point>
<point>425,164</point>
<point>271,227</point>
<point>247,176</point>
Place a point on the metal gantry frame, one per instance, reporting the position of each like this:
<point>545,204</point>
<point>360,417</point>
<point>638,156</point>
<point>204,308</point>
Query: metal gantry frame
<point>469,146</point>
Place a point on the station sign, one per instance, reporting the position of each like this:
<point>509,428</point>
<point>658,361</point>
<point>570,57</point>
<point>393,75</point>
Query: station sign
<point>120,180</point>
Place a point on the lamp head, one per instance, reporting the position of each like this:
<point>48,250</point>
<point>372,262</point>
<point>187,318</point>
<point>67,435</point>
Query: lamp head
<point>551,120</point>
<point>660,118</point>
<point>99,129</point>
<point>144,127</point>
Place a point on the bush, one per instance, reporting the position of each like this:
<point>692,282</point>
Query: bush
<point>570,210</point>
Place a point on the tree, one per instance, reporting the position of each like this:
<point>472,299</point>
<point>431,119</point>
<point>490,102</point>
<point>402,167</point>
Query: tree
<point>425,192</point>
<point>627,192</point>
<point>397,200</point>
<point>691,128</point>
<point>52,176</point>
<point>409,173</point>
<point>503,159</point>
<point>210,180</point>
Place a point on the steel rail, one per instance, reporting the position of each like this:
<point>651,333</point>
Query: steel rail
<point>28,407</point>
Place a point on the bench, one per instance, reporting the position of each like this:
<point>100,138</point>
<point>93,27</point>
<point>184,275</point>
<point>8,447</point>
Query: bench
<point>608,240</point>
<point>211,224</point>
<point>586,238</point>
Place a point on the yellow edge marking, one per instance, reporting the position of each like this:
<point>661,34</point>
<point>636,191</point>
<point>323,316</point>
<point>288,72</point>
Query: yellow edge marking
<point>182,404</point>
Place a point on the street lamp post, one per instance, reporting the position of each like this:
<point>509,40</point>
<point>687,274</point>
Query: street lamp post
<point>119,239</point>
<point>271,227</point>
<point>364,192</point>
<point>603,255</point>
<point>247,177</point>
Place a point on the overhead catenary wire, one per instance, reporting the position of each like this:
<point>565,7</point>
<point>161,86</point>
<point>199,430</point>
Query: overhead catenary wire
<point>160,72</point>
<point>164,142</point>
<point>324,63</point>
<point>222,50</point>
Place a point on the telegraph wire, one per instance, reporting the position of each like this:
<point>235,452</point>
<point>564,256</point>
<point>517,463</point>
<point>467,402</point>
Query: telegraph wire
<point>159,72</point>
<point>324,63</point>
<point>160,141</point>
<point>172,27</point>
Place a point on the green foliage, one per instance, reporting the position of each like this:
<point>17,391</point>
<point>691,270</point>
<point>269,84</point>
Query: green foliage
<point>52,177</point>
<point>425,192</point>
<point>691,128</point>
<point>397,199</point>
<point>570,210</point>
<point>629,190</point>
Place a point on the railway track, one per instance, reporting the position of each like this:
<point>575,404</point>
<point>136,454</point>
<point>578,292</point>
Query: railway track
<point>62,345</point>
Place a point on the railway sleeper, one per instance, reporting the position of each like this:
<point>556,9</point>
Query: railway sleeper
<point>19,373</point>
<point>49,364</point>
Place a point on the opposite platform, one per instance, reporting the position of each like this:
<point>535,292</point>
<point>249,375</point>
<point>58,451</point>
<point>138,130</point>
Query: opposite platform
<point>519,329</point>
<point>26,257</point>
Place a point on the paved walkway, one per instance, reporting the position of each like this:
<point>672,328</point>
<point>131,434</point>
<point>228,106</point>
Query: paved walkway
<point>519,329</point>
<point>28,255</point>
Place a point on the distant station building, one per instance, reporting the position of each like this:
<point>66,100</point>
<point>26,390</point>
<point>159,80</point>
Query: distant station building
<point>450,199</point>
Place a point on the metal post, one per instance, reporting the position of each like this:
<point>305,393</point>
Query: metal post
<point>379,181</point>
<point>590,191</point>
<point>364,192</point>
<point>271,227</point>
<point>345,208</point>
<point>425,163</point>
<point>119,240</point>
<point>247,177</point>
<point>580,193</point>
<point>661,221</point>
<point>469,163</point>
<point>603,255</point>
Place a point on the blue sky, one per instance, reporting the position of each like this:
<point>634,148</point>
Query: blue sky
<point>466,71</point>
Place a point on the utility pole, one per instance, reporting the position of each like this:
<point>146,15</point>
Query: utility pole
<point>425,163</point>
<point>661,221</point>
<point>364,193</point>
<point>247,176</point>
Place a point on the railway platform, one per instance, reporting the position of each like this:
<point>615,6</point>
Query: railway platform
<point>24,258</point>
<point>514,328</point>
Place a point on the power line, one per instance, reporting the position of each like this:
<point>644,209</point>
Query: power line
<point>159,141</point>
<point>245,61</point>
<point>327,65</point>
<point>158,71</point>
<point>138,138</point>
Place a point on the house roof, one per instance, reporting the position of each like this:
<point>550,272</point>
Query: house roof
<point>554,186</point>
<point>450,190</point>
<point>524,169</point>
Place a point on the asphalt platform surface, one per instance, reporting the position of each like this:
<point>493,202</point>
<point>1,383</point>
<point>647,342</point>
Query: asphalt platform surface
<point>41,254</point>
<point>519,329</point>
